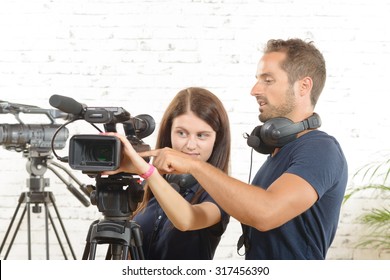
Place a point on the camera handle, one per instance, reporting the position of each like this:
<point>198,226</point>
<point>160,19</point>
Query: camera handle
<point>36,167</point>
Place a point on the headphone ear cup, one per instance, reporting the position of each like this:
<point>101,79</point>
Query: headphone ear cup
<point>255,141</point>
<point>314,121</point>
<point>272,135</point>
<point>181,182</point>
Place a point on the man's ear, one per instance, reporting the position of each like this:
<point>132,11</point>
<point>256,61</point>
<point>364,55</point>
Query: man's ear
<point>305,86</point>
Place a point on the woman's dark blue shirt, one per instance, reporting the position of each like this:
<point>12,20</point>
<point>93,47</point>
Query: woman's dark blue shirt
<point>162,241</point>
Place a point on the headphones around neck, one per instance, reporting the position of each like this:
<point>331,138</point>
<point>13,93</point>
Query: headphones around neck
<point>277,132</point>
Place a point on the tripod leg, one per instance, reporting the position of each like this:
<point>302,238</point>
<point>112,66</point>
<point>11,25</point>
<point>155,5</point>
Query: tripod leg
<point>109,252</point>
<point>28,229</point>
<point>57,235</point>
<point>15,233</point>
<point>133,253</point>
<point>10,226</point>
<point>62,226</point>
<point>118,251</point>
<point>137,237</point>
<point>87,248</point>
<point>125,252</point>
<point>47,231</point>
<point>92,251</point>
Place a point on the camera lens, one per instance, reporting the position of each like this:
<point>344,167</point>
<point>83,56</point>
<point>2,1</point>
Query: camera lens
<point>102,153</point>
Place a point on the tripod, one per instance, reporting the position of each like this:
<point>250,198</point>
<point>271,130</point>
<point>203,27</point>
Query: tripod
<point>123,235</point>
<point>36,167</point>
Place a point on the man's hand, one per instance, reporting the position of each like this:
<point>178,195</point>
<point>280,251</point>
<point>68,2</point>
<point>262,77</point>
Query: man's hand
<point>168,160</point>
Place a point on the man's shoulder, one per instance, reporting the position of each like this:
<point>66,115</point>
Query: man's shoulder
<point>319,145</point>
<point>319,137</point>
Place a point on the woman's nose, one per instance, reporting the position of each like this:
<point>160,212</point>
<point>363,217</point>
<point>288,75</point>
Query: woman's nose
<point>191,143</point>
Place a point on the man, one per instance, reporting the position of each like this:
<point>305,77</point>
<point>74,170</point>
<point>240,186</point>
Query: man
<point>291,209</point>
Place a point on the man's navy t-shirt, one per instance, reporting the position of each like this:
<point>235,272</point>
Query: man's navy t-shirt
<point>317,158</point>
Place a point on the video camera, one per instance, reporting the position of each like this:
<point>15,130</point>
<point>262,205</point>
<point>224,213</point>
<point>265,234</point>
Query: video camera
<point>36,142</point>
<point>34,139</point>
<point>92,154</point>
<point>95,153</point>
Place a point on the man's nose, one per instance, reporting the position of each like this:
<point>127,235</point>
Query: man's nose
<point>257,89</point>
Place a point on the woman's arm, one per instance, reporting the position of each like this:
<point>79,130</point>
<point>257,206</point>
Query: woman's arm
<point>183,215</point>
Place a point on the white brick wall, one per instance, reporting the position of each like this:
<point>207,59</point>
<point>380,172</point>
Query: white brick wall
<point>138,54</point>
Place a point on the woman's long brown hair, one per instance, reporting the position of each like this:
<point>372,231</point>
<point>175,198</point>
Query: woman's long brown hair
<point>210,109</point>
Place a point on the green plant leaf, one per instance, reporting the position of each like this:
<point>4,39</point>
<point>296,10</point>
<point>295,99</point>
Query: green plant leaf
<point>377,220</point>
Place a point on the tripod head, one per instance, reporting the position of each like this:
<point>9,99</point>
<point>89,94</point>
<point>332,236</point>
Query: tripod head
<point>37,166</point>
<point>113,200</point>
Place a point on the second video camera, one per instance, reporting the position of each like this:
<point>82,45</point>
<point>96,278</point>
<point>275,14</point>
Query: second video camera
<point>32,139</point>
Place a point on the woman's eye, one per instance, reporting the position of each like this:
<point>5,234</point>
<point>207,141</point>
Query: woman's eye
<point>202,135</point>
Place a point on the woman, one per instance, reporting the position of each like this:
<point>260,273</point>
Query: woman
<point>184,224</point>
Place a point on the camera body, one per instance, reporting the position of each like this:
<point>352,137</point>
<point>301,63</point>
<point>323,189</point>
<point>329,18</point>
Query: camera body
<point>93,154</point>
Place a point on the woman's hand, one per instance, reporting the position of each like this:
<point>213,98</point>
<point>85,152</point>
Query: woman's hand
<point>131,161</point>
